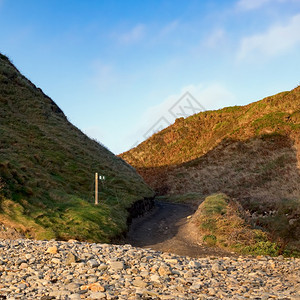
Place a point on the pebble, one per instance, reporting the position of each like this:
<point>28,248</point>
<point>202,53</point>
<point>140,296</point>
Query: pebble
<point>98,295</point>
<point>164,270</point>
<point>75,297</point>
<point>71,258</point>
<point>52,250</point>
<point>78,270</point>
<point>93,263</point>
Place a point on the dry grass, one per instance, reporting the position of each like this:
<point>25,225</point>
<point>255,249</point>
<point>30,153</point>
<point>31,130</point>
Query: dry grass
<point>196,135</point>
<point>221,224</point>
<point>251,153</point>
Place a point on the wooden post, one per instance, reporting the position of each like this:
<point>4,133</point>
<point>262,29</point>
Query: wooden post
<point>96,188</point>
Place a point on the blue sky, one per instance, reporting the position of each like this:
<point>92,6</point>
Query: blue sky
<point>116,67</point>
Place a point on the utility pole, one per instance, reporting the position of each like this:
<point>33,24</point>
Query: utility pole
<point>96,188</point>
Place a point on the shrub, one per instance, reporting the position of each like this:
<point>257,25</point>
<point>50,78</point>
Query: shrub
<point>262,248</point>
<point>210,239</point>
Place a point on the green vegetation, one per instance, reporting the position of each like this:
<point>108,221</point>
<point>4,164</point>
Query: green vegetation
<point>210,239</point>
<point>185,198</point>
<point>250,153</point>
<point>221,223</point>
<point>47,170</point>
<point>215,205</point>
<point>284,225</point>
<point>270,121</point>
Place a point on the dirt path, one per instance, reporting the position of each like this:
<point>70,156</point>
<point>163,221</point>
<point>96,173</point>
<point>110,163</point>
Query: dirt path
<point>167,228</point>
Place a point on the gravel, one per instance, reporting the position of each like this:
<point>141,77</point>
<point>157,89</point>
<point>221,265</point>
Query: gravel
<point>76,270</point>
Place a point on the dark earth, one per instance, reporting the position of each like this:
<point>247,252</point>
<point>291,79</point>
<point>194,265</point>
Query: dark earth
<point>167,228</point>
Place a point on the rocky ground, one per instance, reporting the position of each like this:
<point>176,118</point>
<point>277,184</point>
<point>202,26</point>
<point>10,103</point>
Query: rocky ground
<point>73,270</point>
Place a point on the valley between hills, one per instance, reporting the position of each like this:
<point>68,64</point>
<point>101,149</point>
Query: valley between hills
<point>215,199</point>
<point>240,165</point>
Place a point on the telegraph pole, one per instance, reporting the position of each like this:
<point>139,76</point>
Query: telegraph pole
<point>96,188</point>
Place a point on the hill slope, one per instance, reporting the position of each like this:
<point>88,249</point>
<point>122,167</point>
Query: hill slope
<point>47,169</point>
<point>250,153</point>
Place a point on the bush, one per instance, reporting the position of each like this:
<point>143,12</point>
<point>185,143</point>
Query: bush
<point>210,239</point>
<point>262,248</point>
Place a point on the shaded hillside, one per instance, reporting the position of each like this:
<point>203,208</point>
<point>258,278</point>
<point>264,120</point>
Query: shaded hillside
<point>47,169</point>
<point>250,153</point>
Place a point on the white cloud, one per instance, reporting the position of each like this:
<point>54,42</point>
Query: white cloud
<point>215,38</point>
<point>165,33</point>
<point>276,40</point>
<point>168,28</point>
<point>212,96</point>
<point>246,5</point>
<point>104,75</point>
<point>133,35</point>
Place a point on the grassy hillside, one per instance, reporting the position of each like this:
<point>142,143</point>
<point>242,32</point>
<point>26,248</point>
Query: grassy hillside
<point>47,169</point>
<point>251,153</point>
<point>190,138</point>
